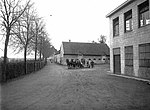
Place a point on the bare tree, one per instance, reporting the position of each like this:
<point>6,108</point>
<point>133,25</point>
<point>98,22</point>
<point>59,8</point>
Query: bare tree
<point>47,48</point>
<point>10,13</point>
<point>102,39</point>
<point>41,43</point>
<point>42,33</point>
<point>24,33</point>
<point>44,46</point>
<point>39,28</point>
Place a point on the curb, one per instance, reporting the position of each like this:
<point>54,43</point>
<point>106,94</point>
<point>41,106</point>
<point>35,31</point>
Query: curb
<point>135,78</point>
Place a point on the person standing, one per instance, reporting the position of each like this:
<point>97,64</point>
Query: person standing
<point>92,64</point>
<point>89,63</point>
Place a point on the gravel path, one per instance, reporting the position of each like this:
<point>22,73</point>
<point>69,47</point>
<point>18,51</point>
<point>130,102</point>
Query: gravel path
<point>57,88</point>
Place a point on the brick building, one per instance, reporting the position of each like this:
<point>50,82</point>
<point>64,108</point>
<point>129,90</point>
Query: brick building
<point>130,38</point>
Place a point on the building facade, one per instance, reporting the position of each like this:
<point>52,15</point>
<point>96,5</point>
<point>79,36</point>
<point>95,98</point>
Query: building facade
<point>130,38</point>
<point>99,53</point>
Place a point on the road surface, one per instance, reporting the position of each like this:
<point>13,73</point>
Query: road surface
<point>57,88</point>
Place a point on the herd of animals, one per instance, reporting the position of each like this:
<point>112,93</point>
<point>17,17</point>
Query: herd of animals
<point>76,63</point>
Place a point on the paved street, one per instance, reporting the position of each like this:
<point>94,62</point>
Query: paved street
<point>57,88</point>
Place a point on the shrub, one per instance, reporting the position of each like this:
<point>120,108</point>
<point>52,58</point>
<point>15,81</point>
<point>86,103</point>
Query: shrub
<point>16,69</point>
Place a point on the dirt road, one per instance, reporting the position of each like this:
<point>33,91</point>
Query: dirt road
<point>57,88</point>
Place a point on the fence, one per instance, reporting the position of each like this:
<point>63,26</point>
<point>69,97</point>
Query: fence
<point>17,69</point>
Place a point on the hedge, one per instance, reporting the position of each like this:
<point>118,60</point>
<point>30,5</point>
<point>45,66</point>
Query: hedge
<point>16,69</point>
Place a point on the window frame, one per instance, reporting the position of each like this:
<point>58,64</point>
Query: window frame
<point>142,10</point>
<point>115,24</point>
<point>144,52</point>
<point>128,17</point>
<point>94,58</point>
<point>128,56</point>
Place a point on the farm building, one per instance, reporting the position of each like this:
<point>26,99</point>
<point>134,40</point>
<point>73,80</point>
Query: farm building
<point>98,52</point>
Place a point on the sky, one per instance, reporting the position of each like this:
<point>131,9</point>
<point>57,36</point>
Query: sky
<point>75,20</point>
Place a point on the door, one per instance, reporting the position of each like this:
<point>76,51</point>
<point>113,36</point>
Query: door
<point>117,64</point>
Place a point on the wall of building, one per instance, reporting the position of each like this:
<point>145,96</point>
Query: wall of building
<point>61,51</point>
<point>57,58</point>
<point>137,36</point>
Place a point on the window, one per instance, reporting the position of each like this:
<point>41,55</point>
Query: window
<point>129,56</point>
<point>128,21</point>
<point>116,51</point>
<point>144,55</point>
<point>144,16</point>
<point>116,27</point>
<point>94,59</point>
<point>104,59</point>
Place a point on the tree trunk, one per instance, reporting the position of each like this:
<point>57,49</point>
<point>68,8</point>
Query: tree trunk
<point>35,54</point>
<point>5,55</point>
<point>40,52</point>
<point>45,60</point>
<point>25,60</point>
<point>43,57</point>
<point>35,48</point>
<point>40,55</point>
<point>40,49</point>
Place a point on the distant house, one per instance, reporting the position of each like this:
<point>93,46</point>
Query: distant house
<point>130,38</point>
<point>57,57</point>
<point>98,52</point>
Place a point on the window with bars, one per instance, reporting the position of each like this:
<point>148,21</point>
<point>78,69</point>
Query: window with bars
<point>129,56</point>
<point>144,55</point>
<point>128,21</point>
<point>116,27</point>
<point>144,16</point>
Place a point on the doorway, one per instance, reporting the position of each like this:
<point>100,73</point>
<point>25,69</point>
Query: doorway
<point>117,61</point>
<point>117,64</point>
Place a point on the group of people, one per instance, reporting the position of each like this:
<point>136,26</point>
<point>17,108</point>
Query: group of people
<point>76,63</point>
<point>90,64</point>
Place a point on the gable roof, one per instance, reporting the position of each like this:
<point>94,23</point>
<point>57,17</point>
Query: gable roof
<point>91,49</point>
<point>119,8</point>
<point>57,52</point>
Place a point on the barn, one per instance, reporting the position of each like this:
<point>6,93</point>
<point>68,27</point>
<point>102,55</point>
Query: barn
<point>98,52</point>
